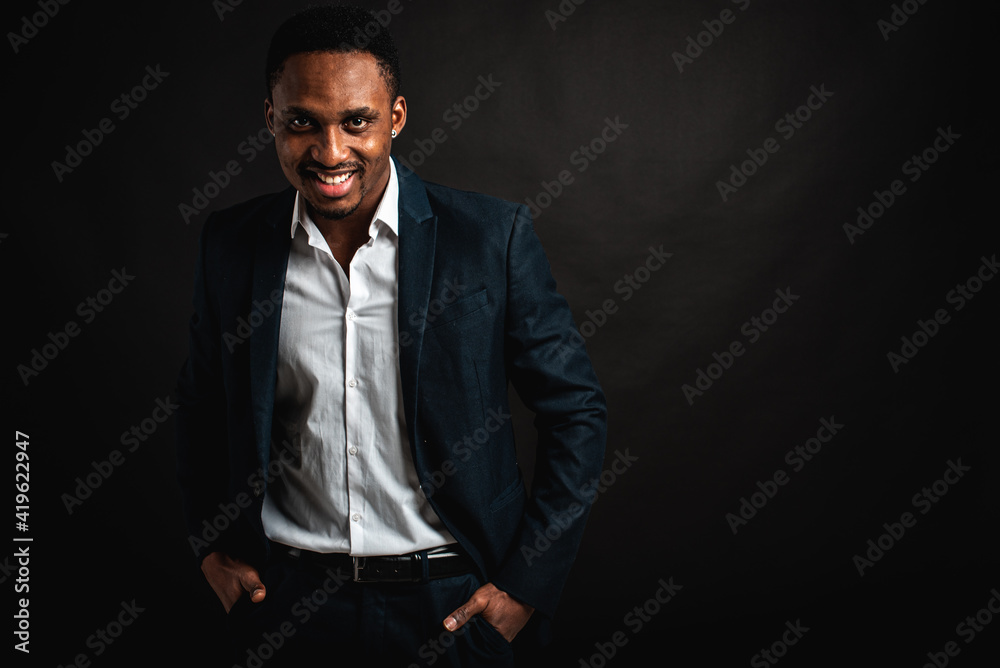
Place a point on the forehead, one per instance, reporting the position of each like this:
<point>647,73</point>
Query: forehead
<point>321,78</point>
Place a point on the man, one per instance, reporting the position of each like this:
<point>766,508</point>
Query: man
<point>345,450</point>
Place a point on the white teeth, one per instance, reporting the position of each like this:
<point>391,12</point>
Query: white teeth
<point>334,180</point>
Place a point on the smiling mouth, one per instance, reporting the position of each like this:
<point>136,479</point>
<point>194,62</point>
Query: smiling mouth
<point>334,186</point>
<point>334,180</point>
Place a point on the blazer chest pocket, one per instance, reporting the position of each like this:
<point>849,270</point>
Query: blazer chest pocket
<point>448,314</point>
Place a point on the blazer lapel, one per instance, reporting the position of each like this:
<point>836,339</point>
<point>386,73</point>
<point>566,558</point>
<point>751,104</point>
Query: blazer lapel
<point>417,232</point>
<point>270,262</point>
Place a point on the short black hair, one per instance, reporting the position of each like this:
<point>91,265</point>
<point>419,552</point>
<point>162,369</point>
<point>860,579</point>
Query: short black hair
<point>333,28</point>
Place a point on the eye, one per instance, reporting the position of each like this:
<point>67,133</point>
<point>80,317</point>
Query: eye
<point>357,123</point>
<point>300,122</point>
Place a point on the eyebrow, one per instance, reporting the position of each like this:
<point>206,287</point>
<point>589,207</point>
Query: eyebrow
<point>347,113</point>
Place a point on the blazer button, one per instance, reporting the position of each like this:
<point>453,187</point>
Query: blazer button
<point>258,489</point>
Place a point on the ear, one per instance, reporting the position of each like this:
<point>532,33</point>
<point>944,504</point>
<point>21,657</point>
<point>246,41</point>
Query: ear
<point>399,114</point>
<point>269,114</point>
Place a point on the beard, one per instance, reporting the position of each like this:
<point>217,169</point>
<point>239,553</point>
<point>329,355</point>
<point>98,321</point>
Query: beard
<point>329,213</point>
<point>334,211</point>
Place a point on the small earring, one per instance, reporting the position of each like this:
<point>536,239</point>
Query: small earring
<point>393,133</point>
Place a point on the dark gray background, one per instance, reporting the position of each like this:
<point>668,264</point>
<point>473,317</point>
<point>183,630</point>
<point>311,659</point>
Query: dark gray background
<point>655,185</point>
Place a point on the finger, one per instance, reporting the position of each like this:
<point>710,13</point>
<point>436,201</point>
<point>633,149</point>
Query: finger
<point>250,580</point>
<point>459,617</point>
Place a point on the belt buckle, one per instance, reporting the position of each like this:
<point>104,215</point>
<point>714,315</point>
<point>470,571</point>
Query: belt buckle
<point>359,571</point>
<point>359,566</point>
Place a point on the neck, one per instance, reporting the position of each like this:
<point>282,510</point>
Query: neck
<point>346,235</point>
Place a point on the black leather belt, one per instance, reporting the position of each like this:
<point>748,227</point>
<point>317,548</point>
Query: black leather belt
<point>413,567</point>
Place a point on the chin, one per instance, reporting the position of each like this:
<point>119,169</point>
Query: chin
<point>333,212</point>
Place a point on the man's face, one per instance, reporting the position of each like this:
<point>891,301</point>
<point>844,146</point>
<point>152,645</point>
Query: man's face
<point>332,120</point>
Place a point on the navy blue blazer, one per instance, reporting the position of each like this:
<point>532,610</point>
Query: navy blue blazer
<point>478,308</point>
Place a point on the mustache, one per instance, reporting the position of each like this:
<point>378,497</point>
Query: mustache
<point>320,167</point>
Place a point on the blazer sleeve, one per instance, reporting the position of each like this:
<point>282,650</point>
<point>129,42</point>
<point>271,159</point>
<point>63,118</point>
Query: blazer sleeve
<point>202,465</point>
<point>549,368</point>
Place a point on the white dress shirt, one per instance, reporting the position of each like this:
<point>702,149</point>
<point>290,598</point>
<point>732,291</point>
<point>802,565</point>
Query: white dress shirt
<point>338,404</point>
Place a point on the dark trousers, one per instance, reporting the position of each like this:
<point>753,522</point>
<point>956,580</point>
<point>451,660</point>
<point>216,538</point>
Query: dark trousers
<point>317,616</point>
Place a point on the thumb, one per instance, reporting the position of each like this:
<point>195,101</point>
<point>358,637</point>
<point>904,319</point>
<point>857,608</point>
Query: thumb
<point>250,581</point>
<point>459,617</point>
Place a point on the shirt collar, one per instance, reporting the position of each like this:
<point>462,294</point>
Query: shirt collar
<point>386,214</point>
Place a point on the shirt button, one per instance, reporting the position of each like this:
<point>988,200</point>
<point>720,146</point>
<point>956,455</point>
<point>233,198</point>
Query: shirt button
<point>351,315</point>
<point>356,517</point>
<point>352,382</point>
<point>353,450</point>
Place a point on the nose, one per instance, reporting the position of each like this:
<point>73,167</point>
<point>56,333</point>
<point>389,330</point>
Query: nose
<point>330,149</point>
